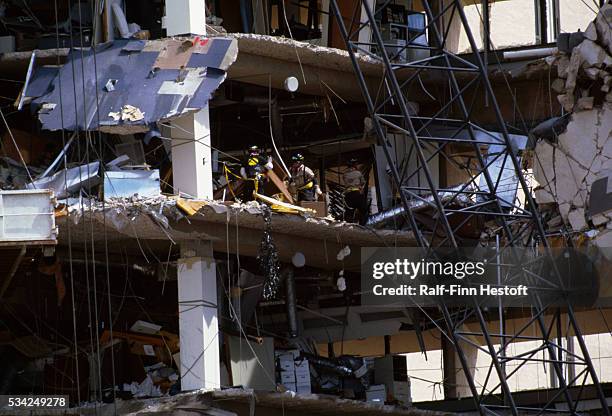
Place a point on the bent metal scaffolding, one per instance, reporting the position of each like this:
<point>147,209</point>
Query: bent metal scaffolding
<point>519,225</point>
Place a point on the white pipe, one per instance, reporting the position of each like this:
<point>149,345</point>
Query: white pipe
<point>529,53</point>
<point>58,158</point>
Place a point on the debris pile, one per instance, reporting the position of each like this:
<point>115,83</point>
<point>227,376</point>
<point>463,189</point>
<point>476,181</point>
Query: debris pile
<point>157,350</point>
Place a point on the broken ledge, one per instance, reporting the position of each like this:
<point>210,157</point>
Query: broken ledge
<point>159,221</point>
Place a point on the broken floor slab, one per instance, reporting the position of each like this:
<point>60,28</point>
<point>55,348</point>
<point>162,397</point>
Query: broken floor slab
<point>156,222</point>
<point>154,80</point>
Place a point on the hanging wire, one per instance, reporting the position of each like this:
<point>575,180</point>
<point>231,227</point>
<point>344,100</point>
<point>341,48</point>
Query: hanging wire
<point>105,232</point>
<point>280,159</point>
<point>65,157</point>
<point>297,53</point>
<point>82,207</point>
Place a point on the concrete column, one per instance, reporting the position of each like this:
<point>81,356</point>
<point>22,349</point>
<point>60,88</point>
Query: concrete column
<point>198,325</point>
<point>449,369</point>
<point>185,17</point>
<point>471,356</point>
<point>455,382</point>
<point>191,156</point>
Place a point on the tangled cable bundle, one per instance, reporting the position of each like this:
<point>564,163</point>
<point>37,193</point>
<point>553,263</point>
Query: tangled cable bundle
<point>267,257</point>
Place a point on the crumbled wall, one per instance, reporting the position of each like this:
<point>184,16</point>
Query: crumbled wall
<point>567,169</point>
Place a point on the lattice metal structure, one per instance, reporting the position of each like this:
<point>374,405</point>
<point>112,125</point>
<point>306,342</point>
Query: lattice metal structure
<point>496,159</point>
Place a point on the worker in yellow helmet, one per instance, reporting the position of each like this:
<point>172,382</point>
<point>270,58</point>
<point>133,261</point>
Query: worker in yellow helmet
<point>254,170</point>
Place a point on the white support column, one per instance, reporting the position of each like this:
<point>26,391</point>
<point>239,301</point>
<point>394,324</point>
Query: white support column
<point>191,157</point>
<point>192,173</point>
<point>198,324</point>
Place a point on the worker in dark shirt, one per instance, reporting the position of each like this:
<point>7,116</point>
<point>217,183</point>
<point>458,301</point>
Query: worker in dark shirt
<point>354,199</point>
<point>254,171</point>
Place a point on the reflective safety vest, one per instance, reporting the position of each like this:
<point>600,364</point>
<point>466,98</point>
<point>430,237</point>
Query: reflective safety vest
<point>253,161</point>
<point>254,166</point>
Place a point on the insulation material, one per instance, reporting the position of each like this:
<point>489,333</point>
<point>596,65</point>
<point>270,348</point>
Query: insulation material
<point>151,81</point>
<point>127,113</point>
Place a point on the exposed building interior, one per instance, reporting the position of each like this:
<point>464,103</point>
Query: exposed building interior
<point>194,195</point>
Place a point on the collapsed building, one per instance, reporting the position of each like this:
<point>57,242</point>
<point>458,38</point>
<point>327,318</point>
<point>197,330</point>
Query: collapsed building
<point>146,271</point>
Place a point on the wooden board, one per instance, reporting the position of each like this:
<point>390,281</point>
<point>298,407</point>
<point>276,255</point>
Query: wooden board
<point>280,185</point>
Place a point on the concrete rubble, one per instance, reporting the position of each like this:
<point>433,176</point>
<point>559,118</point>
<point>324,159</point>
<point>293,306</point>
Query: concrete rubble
<point>590,60</point>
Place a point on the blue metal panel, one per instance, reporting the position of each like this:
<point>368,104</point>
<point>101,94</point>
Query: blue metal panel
<point>87,103</point>
<point>42,81</point>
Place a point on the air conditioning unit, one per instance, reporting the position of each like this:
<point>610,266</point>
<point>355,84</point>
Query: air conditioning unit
<point>27,217</point>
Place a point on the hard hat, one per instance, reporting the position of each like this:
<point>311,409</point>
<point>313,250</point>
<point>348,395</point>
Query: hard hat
<point>353,162</point>
<point>297,157</point>
<point>253,150</point>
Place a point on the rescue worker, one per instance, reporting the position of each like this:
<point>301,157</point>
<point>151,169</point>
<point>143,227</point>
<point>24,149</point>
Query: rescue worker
<point>303,182</point>
<point>353,193</point>
<point>254,170</point>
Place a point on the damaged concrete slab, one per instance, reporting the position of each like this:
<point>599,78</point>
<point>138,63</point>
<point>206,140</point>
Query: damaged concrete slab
<point>160,219</point>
